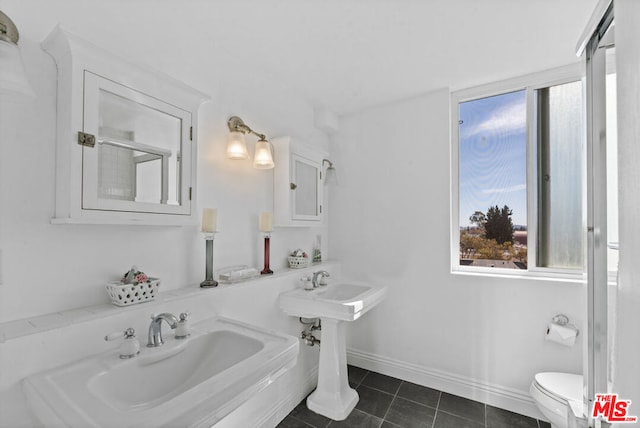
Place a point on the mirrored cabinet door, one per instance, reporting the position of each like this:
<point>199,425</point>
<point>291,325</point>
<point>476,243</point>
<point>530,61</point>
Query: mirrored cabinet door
<point>297,184</point>
<point>136,161</point>
<point>305,176</point>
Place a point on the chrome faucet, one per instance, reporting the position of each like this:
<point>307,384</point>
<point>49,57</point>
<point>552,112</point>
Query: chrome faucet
<point>155,328</point>
<point>314,279</point>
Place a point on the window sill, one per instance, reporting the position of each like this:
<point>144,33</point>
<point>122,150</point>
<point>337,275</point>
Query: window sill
<point>556,276</point>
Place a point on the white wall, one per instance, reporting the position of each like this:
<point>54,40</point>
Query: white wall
<point>48,268</point>
<point>477,336</point>
<point>626,380</point>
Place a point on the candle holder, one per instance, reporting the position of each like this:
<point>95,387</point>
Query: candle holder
<point>266,270</point>
<point>209,281</point>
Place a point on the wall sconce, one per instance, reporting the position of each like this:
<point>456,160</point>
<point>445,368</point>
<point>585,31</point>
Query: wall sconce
<point>237,145</point>
<point>330,177</point>
<point>13,77</point>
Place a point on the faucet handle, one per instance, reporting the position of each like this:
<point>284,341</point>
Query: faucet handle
<point>183,330</point>
<point>113,336</point>
<point>127,334</point>
<point>129,347</point>
<point>307,283</point>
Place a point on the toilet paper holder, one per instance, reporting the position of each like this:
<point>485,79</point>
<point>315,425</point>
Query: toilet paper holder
<point>561,331</point>
<point>563,321</point>
<point>560,319</point>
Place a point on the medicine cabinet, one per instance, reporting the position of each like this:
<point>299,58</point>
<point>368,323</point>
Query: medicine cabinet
<point>126,141</point>
<point>297,183</point>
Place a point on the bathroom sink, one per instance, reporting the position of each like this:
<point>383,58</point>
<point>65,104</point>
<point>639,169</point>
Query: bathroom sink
<point>192,382</point>
<point>153,379</point>
<point>333,304</point>
<point>340,301</point>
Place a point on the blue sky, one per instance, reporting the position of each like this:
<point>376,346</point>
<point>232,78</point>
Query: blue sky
<point>492,156</point>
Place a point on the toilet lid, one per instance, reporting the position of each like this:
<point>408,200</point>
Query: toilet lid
<point>563,385</point>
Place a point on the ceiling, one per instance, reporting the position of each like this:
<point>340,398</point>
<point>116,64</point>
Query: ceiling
<point>344,55</point>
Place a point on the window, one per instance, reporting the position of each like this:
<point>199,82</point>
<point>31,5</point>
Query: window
<point>518,162</point>
<point>559,176</point>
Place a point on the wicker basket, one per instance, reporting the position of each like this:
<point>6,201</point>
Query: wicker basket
<point>130,294</point>
<point>298,262</point>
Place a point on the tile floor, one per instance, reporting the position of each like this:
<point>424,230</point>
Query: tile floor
<point>387,402</point>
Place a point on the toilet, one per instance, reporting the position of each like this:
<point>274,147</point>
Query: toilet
<point>552,393</point>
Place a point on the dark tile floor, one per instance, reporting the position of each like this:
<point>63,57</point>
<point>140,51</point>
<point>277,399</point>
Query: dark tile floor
<point>387,402</point>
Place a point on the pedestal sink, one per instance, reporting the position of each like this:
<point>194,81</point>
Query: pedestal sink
<point>333,304</point>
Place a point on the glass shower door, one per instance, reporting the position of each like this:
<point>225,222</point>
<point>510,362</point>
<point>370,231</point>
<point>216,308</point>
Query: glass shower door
<point>599,147</point>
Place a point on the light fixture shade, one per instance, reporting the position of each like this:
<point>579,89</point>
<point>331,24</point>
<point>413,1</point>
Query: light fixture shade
<point>237,146</point>
<point>330,177</point>
<point>263,158</point>
<point>13,77</point>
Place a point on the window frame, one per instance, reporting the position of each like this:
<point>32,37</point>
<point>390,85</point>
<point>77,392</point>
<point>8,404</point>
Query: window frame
<point>530,83</point>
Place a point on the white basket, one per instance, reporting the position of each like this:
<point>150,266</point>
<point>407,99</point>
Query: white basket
<point>129,294</point>
<point>298,262</point>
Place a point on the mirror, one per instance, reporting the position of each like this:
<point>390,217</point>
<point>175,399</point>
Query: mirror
<point>137,162</point>
<point>139,158</point>
<point>306,195</point>
<point>128,174</point>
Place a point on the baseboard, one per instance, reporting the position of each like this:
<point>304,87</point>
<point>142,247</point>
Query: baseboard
<point>495,395</point>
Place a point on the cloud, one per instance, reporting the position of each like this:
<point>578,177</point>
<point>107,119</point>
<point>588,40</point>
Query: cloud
<point>506,118</point>
<point>509,189</point>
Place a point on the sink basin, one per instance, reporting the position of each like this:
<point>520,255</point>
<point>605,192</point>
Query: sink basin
<point>154,379</point>
<point>340,301</point>
<point>192,382</point>
<point>343,292</point>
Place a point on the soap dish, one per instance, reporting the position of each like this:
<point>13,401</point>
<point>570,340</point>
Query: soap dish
<point>131,294</point>
<point>233,274</point>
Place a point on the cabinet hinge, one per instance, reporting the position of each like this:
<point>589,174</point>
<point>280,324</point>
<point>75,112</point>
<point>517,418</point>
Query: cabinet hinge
<point>191,133</point>
<point>88,140</point>
<point>320,175</point>
<point>190,192</point>
<point>320,209</point>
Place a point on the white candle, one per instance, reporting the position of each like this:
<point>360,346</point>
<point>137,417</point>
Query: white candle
<point>209,220</point>
<point>266,222</point>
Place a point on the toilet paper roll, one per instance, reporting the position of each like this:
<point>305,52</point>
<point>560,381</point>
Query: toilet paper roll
<point>562,334</point>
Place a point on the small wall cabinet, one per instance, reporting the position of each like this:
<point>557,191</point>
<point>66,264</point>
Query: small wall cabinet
<point>126,139</point>
<point>297,184</point>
